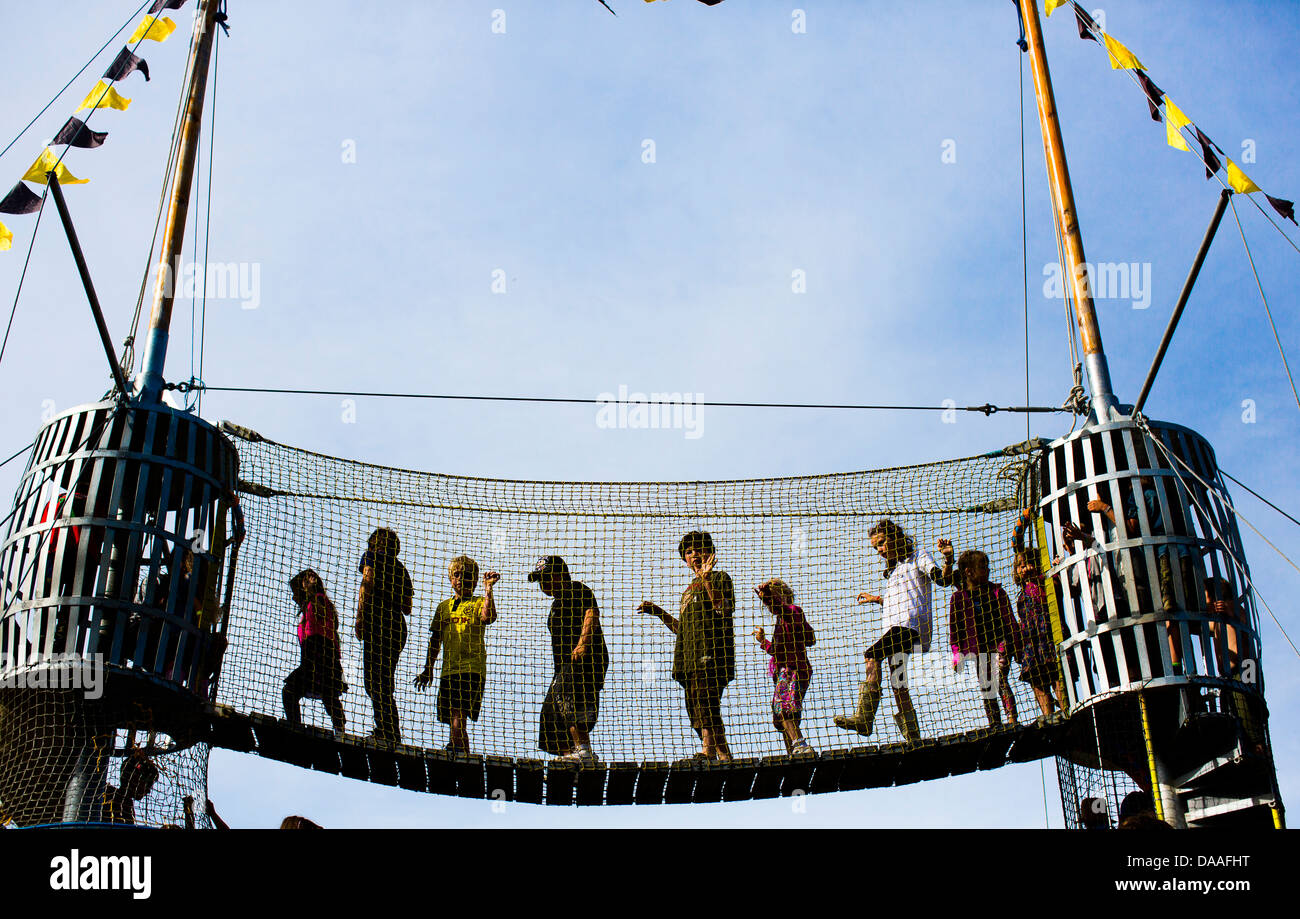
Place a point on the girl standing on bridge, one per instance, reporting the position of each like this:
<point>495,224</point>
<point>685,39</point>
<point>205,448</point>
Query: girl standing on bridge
<point>320,675</point>
<point>788,667</point>
<point>908,622</point>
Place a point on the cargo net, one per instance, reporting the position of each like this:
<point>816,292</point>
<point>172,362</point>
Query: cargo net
<point>63,762</point>
<point>331,526</point>
<point>1106,781</point>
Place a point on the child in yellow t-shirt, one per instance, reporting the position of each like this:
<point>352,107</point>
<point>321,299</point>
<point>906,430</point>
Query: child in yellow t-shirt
<point>459,625</point>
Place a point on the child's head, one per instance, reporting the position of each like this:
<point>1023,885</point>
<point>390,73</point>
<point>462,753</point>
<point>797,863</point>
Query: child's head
<point>304,585</point>
<point>973,567</point>
<point>463,572</point>
<point>889,540</point>
<point>384,542</point>
<point>1094,814</point>
<point>551,574</point>
<point>1026,568</point>
<point>694,548</point>
<point>138,775</point>
<point>776,595</point>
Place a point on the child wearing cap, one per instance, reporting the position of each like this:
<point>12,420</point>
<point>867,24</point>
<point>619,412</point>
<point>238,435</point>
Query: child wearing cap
<point>572,703</point>
<point>788,667</point>
<point>459,625</point>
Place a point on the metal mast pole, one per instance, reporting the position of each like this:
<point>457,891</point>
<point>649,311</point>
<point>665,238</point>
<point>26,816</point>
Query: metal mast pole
<point>1103,397</point>
<point>164,293</point>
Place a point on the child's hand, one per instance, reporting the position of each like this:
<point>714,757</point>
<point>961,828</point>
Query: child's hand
<point>869,598</point>
<point>1056,561</point>
<point>579,652</point>
<point>706,566</point>
<point>945,547</point>
<point>489,580</point>
<point>649,609</point>
<point>424,679</point>
<point>759,635</point>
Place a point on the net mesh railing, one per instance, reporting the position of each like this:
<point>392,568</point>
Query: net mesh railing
<point>309,511</point>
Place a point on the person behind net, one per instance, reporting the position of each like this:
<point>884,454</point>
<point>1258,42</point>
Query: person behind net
<point>980,625</point>
<point>382,608</point>
<point>136,780</point>
<point>1040,665</point>
<point>581,659</point>
<point>788,664</point>
<point>1090,568</point>
<point>704,656</point>
<point>459,625</point>
<point>320,674</point>
<point>908,621</point>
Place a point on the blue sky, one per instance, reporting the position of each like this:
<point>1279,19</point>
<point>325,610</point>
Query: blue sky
<point>774,152</point>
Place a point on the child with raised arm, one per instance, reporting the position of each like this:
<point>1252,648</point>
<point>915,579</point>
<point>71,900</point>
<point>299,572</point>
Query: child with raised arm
<point>1040,664</point>
<point>980,624</point>
<point>704,657</point>
<point>788,667</point>
<point>459,625</point>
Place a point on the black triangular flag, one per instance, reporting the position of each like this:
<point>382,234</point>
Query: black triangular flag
<point>1086,24</point>
<point>75,133</point>
<point>1154,94</point>
<point>160,5</point>
<point>1212,164</point>
<point>21,200</point>
<point>1282,206</point>
<point>126,64</point>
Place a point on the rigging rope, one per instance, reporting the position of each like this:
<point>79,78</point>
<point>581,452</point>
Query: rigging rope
<point>1223,541</point>
<point>173,152</point>
<point>16,455</point>
<point>986,409</point>
<point>1024,231</point>
<point>1267,310</point>
<point>23,276</point>
<point>207,225</point>
<point>1260,497</point>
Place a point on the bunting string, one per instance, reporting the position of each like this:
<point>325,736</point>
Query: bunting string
<point>76,132</point>
<point>1176,122</point>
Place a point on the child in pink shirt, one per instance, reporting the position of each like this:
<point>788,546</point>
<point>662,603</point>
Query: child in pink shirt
<point>788,667</point>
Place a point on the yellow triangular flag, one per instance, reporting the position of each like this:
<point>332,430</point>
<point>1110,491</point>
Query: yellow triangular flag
<point>1240,182</point>
<point>1121,58</point>
<point>1053,4</point>
<point>104,96</point>
<point>1175,119</point>
<point>44,163</point>
<point>152,28</point>
<point>6,238</point>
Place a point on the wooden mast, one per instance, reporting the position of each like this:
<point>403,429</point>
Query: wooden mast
<point>1103,397</point>
<point>155,355</point>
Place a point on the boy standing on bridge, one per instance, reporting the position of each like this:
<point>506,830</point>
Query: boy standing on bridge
<point>459,625</point>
